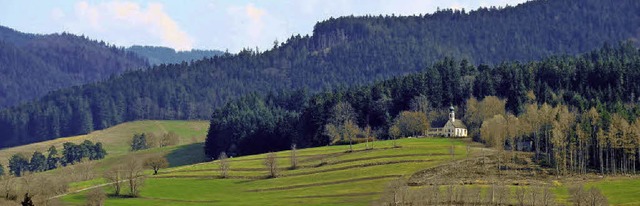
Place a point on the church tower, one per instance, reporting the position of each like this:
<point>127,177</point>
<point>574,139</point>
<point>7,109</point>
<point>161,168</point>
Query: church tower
<point>452,115</point>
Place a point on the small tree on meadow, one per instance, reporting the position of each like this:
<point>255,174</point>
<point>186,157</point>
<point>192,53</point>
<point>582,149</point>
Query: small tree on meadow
<point>395,193</point>
<point>134,175</point>
<point>394,132</point>
<point>367,134</point>
<point>156,163</point>
<point>271,162</point>
<point>139,142</point>
<point>169,139</point>
<point>224,164</point>
<point>293,157</point>
<point>115,175</point>
<point>96,197</point>
<point>8,186</point>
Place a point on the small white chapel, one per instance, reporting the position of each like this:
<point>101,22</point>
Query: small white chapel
<point>453,127</point>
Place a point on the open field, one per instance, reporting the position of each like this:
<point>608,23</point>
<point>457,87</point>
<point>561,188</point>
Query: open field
<point>116,139</point>
<point>326,176</point>
<point>330,176</point>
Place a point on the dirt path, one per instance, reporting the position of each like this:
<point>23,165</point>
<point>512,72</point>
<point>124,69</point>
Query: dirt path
<point>83,189</point>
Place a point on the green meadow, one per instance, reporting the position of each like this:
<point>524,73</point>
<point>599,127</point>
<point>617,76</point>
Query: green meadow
<point>325,176</point>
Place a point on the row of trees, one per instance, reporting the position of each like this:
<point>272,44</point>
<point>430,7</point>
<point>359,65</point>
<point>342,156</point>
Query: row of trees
<point>245,125</point>
<point>360,50</point>
<point>38,188</point>
<point>144,141</point>
<point>270,162</point>
<point>71,154</point>
<point>571,140</point>
<point>128,175</point>
<point>399,193</point>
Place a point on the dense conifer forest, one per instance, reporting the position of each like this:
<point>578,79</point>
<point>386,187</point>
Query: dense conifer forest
<point>33,65</point>
<point>350,51</point>
<point>163,55</point>
<point>604,79</point>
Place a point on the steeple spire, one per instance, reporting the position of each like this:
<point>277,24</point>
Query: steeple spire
<point>452,115</point>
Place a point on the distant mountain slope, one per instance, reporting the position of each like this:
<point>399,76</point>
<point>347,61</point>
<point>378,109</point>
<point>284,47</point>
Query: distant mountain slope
<point>33,65</point>
<point>163,55</point>
<point>343,51</point>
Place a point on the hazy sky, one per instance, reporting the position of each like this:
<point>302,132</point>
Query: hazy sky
<point>203,24</point>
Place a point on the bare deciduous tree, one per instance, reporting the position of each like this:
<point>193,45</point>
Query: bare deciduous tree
<point>293,157</point>
<point>271,162</point>
<point>595,197</point>
<point>169,139</point>
<point>367,134</point>
<point>96,197</point>
<point>395,193</point>
<point>521,196</point>
<point>582,197</point>
<point>153,141</point>
<point>8,185</point>
<point>115,177</point>
<point>84,170</point>
<point>548,199</point>
<point>223,164</point>
<point>134,175</point>
<point>577,194</point>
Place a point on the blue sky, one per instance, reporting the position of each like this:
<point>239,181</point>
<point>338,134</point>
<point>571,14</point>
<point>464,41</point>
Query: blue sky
<point>203,24</point>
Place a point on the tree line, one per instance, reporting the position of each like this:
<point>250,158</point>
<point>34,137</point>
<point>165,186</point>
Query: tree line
<point>603,79</point>
<point>144,141</point>
<point>71,154</point>
<point>567,138</point>
<point>397,193</point>
<point>157,55</point>
<point>351,51</point>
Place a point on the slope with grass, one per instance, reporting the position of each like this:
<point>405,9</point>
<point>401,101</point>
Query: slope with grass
<point>116,140</point>
<point>325,176</point>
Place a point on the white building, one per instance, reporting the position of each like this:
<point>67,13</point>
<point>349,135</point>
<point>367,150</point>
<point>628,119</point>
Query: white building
<point>453,127</point>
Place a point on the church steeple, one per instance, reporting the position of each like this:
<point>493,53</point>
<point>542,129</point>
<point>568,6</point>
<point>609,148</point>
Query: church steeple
<point>452,115</point>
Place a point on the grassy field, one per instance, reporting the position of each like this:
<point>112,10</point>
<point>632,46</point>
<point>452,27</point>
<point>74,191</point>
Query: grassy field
<point>619,190</point>
<point>116,139</point>
<point>326,176</point>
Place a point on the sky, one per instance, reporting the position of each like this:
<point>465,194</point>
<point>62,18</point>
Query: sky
<point>204,24</point>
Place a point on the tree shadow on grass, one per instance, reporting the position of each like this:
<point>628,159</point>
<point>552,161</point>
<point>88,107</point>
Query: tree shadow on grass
<point>186,155</point>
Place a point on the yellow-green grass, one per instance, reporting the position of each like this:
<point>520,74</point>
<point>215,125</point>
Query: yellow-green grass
<point>116,139</point>
<point>619,190</point>
<point>354,178</point>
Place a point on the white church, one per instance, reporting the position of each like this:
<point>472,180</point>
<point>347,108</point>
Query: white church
<point>453,127</point>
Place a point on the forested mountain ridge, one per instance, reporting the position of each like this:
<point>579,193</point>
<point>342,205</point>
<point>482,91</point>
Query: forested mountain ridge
<point>163,55</point>
<point>605,80</point>
<point>343,51</point>
<point>33,65</point>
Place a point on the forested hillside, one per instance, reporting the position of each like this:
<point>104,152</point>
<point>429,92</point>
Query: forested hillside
<point>163,55</point>
<point>341,52</point>
<point>605,80</point>
<point>33,65</point>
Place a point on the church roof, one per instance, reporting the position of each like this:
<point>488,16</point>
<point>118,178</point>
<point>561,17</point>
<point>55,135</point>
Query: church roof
<point>458,124</point>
